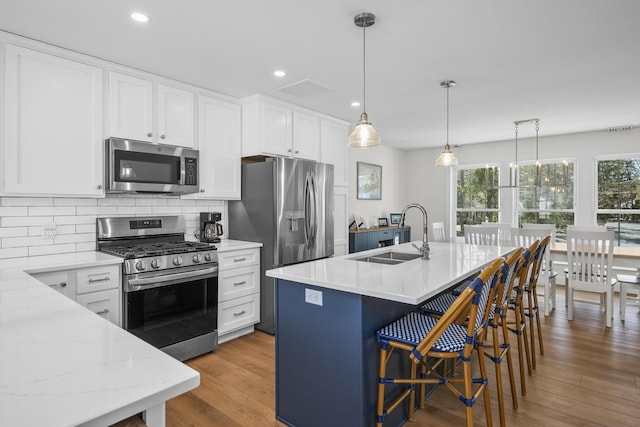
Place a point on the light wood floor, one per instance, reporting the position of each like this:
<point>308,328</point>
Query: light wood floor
<point>589,376</point>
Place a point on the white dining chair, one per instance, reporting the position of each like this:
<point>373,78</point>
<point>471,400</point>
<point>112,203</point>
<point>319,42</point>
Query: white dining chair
<point>589,256</point>
<point>437,229</point>
<point>504,231</point>
<point>488,236</point>
<point>547,278</point>
<point>628,282</point>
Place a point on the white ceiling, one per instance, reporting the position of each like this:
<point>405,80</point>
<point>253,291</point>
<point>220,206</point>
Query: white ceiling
<point>575,64</point>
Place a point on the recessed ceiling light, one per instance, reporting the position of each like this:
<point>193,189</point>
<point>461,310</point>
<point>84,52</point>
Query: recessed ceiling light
<point>355,104</point>
<point>279,73</point>
<point>139,17</point>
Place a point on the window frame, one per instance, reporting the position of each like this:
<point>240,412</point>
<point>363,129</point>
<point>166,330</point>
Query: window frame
<point>456,210</point>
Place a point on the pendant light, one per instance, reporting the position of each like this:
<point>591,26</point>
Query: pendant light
<point>447,158</point>
<point>364,135</point>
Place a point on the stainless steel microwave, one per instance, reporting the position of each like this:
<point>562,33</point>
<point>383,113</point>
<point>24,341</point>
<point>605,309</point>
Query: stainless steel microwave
<point>142,167</point>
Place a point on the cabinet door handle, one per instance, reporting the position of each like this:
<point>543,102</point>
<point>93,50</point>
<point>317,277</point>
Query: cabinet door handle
<point>102,279</point>
<point>239,283</point>
<point>149,134</point>
<point>239,259</point>
<point>61,284</point>
<point>240,314</point>
<point>202,190</point>
<point>105,311</point>
<point>289,150</point>
<point>99,186</point>
<point>297,151</point>
<point>162,136</point>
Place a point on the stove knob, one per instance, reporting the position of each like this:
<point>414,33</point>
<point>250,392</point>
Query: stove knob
<point>207,256</point>
<point>177,260</point>
<point>155,263</point>
<point>197,258</point>
<point>140,266</point>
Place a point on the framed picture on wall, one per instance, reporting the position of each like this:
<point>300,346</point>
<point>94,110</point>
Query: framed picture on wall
<point>369,181</point>
<point>395,218</point>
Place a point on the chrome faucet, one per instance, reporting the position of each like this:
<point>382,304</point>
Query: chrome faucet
<point>424,250</point>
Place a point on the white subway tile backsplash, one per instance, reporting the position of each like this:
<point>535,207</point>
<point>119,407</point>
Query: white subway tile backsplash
<point>21,220</point>
<point>67,201</point>
<point>74,238</point>
<point>51,210</point>
<point>14,211</point>
<point>14,252</point>
<point>27,201</point>
<point>86,228</point>
<point>96,210</point>
<point>166,210</point>
<point>14,231</point>
<point>75,219</point>
<point>52,249</point>
<point>116,201</point>
<point>86,247</point>
<point>134,210</point>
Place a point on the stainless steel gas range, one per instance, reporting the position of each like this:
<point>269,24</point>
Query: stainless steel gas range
<point>170,286</point>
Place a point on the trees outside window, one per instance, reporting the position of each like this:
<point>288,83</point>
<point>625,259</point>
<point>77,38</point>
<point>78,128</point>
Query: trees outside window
<point>551,201</point>
<point>619,198</point>
<point>477,197</point>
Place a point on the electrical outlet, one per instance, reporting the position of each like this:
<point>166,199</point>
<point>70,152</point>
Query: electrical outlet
<point>312,296</point>
<point>49,230</point>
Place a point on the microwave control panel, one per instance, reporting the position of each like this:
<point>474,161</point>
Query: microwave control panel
<point>190,171</point>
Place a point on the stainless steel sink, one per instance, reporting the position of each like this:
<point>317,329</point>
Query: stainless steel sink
<point>388,257</point>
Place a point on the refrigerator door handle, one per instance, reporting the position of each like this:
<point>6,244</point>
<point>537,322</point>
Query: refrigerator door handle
<point>307,223</point>
<point>314,223</point>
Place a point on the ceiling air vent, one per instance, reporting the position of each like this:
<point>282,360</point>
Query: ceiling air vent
<point>620,128</point>
<point>305,88</point>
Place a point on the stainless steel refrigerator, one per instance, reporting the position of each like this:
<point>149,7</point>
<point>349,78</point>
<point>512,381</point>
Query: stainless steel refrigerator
<point>287,205</point>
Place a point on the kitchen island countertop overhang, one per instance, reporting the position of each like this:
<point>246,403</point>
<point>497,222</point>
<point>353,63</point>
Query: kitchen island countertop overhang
<point>409,282</point>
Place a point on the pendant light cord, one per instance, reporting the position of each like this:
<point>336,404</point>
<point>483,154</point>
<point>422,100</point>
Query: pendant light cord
<point>364,70</point>
<point>448,86</point>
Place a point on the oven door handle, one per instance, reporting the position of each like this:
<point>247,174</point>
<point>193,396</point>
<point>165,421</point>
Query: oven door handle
<point>169,279</point>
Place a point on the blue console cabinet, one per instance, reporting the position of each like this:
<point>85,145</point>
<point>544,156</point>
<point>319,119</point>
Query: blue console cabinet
<point>362,240</point>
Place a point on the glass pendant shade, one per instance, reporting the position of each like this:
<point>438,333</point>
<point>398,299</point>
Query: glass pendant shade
<point>364,135</point>
<point>447,158</point>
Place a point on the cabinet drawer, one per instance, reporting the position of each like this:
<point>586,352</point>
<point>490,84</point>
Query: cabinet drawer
<point>239,258</point>
<point>238,313</point>
<point>60,281</point>
<point>98,279</point>
<point>385,235</point>
<point>103,303</point>
<point>238,282</point>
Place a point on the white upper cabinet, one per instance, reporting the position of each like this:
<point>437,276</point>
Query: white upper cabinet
<point>53,125</point>
<point>333,143</point>
<point>306,136</point>
<point>176,116</point>
<point>219,126</point>
<point>274,128</point>
<point>132,114</point>
<point>130,107</point>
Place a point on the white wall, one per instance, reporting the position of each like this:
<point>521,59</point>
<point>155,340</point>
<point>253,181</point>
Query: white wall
<point>428,185</point>
<point>393,164</point>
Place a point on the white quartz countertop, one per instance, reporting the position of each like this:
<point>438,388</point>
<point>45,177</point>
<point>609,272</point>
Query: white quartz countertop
<point>233,245</point>
<point>411,282</point>
<point>62,365</point>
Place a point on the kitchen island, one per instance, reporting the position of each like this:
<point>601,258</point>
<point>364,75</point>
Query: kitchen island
<point>62,365</point>
<point>327,314</point>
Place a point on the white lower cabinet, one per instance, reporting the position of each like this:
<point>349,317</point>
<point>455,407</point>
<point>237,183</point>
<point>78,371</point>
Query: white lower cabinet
<point>238,292</point>
<point>97,288</point>
<point>103,303</point>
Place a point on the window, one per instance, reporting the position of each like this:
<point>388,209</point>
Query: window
<point>477,197</point>
<point>549,202</point>
<point>619,198</point>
